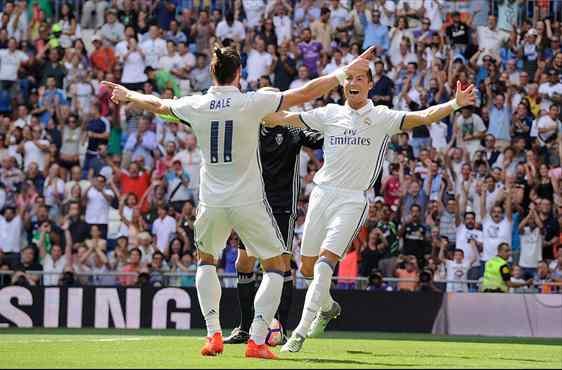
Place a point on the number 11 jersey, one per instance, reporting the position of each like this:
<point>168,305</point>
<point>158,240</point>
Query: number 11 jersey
<point>226,123</point>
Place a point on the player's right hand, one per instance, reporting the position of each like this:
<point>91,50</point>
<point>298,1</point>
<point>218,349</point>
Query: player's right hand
<point>357,66</point>
<point>119,93</point>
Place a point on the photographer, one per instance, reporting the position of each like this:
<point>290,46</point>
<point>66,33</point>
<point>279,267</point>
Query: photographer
<point>425,283</point>
<point>407,272</point>
<point>376,283</point>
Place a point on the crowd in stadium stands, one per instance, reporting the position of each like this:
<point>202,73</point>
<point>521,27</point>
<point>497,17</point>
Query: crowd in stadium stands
<point>88,186</point>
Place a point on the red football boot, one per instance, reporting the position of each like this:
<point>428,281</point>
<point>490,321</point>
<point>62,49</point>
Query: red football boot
<point>214,345</point>
<point>259,351</point>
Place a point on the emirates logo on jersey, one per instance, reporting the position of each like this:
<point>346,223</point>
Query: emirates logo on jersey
<point>279,139</point>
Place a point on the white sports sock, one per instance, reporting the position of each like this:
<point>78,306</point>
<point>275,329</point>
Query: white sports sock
<point>328,302</point>
<point>209,294</point>
<point>266,303</point>
<point>316,296</point>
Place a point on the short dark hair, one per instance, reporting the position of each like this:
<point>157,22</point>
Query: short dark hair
<point>503,245</point>
<point>224,64</point>
<point>136,249</point>
<point>459,250</point>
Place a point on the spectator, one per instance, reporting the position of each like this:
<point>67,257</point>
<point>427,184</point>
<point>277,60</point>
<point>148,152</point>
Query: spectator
<point>158,267</point>
<point>541,278</point>
<point>199,75</point>
<point>457,268</point>
<point>153,48</point>
<point>163,228</point>
<point>10,61</point>
<point>112,30</point>
<point>531,232</point>
<point>407,272</point>
<point>469,130</point>
<point>11,233</point>
<point>373,252</point>
<point>25,267</point>
<point>309,51</point>
<point>93,6</point>
<point>259,61</point>
<point>97,202</point>
<point>321,31</point>
<point>134,63</point>
<point>142,142</point>
<point>377,284</point>
<point>496,226</point>
<point>383,86</point>
<point>230,28</point>
<point>375,33</point>
<point>146,247</point>
<point>133,266</point>
<point>414,234</point>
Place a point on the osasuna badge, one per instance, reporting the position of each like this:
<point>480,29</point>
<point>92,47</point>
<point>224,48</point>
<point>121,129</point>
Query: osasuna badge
<point>279,139</point>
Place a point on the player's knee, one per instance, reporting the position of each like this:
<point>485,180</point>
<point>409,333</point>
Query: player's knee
<point>205,258</point>
<point>274,264</point>
<point>245,264</point>
<point>307,270</point>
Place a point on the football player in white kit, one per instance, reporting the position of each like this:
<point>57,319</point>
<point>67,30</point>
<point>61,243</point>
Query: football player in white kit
<point>356,136</point>
<point>226,123</point>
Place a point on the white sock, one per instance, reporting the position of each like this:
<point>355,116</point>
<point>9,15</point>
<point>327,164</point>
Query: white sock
<point>266,303</point>
<point>328,302</point>
<point>209,294</point>
<point>316,296</point>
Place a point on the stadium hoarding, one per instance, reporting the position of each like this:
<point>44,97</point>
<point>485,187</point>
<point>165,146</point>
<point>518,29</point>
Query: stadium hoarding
<point>178,308</point>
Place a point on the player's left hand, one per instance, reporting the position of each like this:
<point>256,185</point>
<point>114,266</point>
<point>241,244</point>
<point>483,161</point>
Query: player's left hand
<point>119,93</point>
<point>465,97</point>
<point>369,53</point>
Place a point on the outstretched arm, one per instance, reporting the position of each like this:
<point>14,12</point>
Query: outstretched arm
<point>283,118</point>
<point>150,103</point>
<point>438,112</point>
<point>322,85</point>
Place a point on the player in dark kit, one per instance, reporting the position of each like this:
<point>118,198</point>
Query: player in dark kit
<point>279,153</point>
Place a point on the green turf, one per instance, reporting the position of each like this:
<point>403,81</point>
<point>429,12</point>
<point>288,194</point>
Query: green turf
<point>43,348</point>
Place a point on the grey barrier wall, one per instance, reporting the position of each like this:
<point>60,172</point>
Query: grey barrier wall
<point>496,314</point>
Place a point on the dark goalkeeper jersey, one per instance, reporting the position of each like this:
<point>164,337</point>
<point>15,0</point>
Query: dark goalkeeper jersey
<point>279,153</point>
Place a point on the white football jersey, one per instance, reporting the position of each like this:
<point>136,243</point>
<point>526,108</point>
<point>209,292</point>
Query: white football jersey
<point>355,142</point>
<point>226,123</point>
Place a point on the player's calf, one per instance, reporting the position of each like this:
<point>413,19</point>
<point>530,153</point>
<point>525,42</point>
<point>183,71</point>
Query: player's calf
<point>267,299</point>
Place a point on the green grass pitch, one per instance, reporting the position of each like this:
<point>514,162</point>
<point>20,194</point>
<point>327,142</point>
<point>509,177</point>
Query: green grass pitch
<point>87,348</point>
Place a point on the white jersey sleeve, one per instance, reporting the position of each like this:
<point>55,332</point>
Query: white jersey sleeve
<point>316,119</point>
<point>182,108</point>
<point>266,101</point>
<point>390,120</point>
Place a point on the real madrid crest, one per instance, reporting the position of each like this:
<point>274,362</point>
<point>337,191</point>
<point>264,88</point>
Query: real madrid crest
<point>367,121</point>
<point>279,139</point>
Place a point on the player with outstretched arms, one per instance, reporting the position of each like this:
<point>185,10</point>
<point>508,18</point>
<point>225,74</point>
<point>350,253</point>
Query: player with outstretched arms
<point>226,123</point>
<point>356,136</point>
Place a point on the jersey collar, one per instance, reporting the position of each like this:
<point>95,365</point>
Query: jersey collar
<point>365,109</point>
<point>225,88</point>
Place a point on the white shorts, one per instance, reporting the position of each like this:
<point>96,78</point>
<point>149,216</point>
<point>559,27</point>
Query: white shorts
<point>333,220</point>
<point>253,223</point>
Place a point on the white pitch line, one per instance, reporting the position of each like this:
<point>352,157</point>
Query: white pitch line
<point>53,340</point>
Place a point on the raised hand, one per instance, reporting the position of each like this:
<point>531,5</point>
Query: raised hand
<point>357,66</point>
<point>119,93</point>
<point>465,97</point>
<point>369,53</point>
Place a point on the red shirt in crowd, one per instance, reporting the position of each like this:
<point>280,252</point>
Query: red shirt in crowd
<point>136,185</point>
<point>391,190</point>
